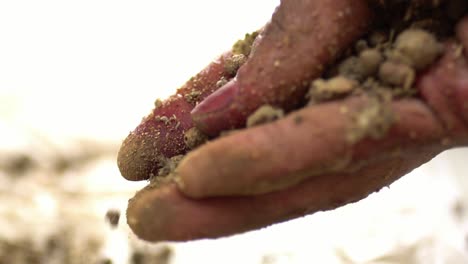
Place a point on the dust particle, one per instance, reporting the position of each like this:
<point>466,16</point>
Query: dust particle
<point>113,217</point>
<point>264,114</point>
<point>194,138</point>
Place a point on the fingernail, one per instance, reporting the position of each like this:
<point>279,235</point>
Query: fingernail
<point>212,115</point>
<point>217,101</point>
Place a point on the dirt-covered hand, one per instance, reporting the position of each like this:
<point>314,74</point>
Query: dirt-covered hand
<point>316,158</point>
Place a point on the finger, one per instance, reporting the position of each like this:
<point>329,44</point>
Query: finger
<point>160,135</point>
<point>302,38</point>
<point>165,214</point>
<point>258,160</point>
<point>313,141</point>
<point>444,88</point>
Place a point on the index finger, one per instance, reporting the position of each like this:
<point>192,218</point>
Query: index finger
<point>303,37</point>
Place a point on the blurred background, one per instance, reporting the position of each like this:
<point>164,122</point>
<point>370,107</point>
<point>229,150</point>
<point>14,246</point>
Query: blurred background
<point>77,76</point>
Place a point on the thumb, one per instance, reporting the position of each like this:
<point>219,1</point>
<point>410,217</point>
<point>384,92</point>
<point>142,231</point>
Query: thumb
<point>301,39</point>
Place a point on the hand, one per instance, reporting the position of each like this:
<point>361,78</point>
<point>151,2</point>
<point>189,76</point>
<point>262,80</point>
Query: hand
<point>302,163</point>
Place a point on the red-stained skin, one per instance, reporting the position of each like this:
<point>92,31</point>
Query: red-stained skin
<point>166,213</point>
<point>258,159</point>
<point>154,138</point>
<point>255,84</point>
<point>293,49</point>
<point>426,126</point>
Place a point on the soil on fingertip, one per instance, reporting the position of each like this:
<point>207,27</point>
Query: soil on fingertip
<point>405,39</point>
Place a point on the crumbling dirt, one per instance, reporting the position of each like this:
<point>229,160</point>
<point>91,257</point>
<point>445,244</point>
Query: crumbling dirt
<point>169,166</point>
<point>382,66</point>
<point>376,65</point>
<point>244,46</point>
<point>194,138</point>
<point>234,63</point>
<point>264,114</point>
<point>373,120</point>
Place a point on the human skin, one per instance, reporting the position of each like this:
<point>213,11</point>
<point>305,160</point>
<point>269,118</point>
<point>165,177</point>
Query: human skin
<point>303,163</point>
<point>281,44</point>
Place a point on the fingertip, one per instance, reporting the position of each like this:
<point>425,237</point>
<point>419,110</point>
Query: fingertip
<point>132,165</point>
<point>192,172</point>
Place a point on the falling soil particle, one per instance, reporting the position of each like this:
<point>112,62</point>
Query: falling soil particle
<point>194,138</point>
<point>264,114</point>
<point>17,165</point>
<point>113,217</point>
<point>162,256</point>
